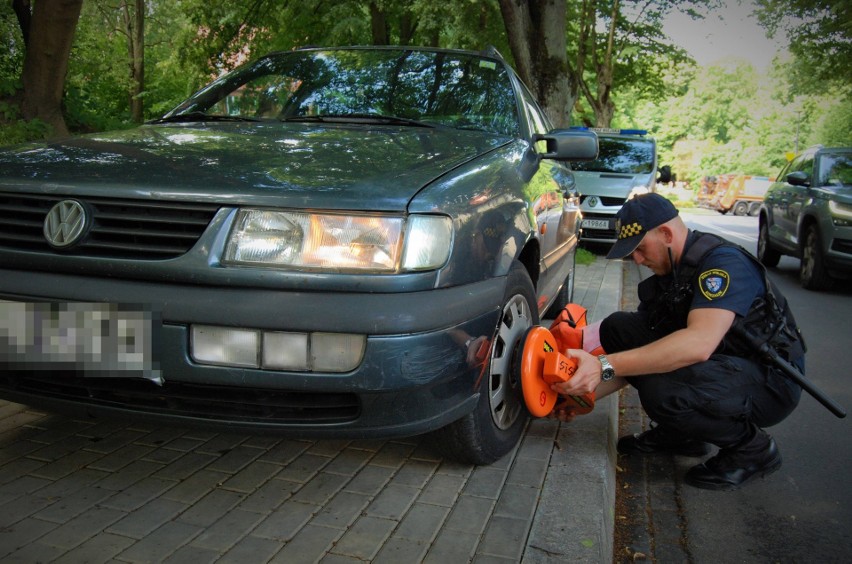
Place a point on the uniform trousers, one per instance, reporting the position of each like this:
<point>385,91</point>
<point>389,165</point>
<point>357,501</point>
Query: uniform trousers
<point>719,401</point>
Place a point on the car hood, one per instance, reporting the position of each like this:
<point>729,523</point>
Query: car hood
<point>377,168</point>
<point>842,193</point>
<point>607,183</point>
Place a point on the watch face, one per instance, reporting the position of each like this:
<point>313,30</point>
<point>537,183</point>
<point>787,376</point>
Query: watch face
<point>607,371</point>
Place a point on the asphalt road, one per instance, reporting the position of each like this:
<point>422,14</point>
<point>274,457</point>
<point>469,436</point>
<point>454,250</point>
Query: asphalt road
<point>803,512</point>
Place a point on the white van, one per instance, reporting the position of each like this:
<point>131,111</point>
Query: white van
<point>626,165</point>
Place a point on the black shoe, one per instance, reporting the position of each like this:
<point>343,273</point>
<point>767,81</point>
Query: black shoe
<point>660,440</point>
<point>733,467</point>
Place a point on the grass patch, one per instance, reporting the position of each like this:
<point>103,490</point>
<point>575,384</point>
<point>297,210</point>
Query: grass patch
<point>584,256</point>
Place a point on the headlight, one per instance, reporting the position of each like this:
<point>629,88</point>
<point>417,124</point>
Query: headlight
<point>428,240</point>
<point>842,213</point>
<point>332,242</point>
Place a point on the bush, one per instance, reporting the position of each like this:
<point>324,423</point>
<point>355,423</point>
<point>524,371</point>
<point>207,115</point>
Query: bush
<point>14,130</point>
<point>584,256</point>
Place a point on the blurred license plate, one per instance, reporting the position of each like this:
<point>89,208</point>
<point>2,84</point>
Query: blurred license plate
<point>596,223</point>
<point>99,339</point>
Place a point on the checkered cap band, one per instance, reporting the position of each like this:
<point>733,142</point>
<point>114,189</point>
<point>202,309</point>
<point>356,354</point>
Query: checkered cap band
<point>629,230</point>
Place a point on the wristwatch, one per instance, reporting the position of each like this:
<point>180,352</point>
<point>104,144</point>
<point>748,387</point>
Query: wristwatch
<point>607,371</point>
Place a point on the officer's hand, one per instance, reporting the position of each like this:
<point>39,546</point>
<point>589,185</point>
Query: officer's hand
<point>585,379</point>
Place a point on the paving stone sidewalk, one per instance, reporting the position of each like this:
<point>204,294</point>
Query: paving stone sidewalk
<point>81,491</point>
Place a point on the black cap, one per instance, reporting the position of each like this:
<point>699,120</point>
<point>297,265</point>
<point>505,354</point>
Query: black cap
<point>636,217</point>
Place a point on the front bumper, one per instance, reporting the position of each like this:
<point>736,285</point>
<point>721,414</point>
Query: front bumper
<point>414,377</point>
<point>838,256</point>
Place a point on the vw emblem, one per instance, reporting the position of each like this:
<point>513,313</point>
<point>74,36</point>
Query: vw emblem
<point>65,223</point>
<point>593,201</point>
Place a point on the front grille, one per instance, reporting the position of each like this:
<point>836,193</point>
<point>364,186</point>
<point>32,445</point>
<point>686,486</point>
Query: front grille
<point>842,246</point>
<point>605,200</point>
<point>607,234</point>
<point>213,403</point>
<point>121,228</point>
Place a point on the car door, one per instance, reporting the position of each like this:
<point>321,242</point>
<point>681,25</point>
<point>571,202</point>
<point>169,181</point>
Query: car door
<point>785,201</point>
<point>798,196</point>
<point>775,203</point>
<point>557,210</point>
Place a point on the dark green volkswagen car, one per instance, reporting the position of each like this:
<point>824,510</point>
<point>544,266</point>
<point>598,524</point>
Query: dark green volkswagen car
<point>338,242</point>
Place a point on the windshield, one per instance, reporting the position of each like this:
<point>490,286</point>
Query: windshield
<point>625,156</point>
<point>835,169</point>
<point>423,87</point>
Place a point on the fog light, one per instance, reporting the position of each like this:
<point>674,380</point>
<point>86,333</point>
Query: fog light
<point>285,351</point>
<point>273,350</point>
<point>224,345</point>
<point>336,352</point>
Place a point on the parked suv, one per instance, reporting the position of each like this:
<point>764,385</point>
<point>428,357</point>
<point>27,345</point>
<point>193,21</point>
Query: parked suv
<point>626,165</point>
<point>807,213</point>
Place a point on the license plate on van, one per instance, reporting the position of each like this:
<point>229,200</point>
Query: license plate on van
<point>596,223</point>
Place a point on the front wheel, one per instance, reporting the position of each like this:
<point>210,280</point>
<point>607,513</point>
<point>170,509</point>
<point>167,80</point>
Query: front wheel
<point>812,272</point>
<point>493,428</point>
<point>765,253</point>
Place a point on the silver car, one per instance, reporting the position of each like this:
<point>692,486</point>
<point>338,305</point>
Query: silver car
<point>626,166</point>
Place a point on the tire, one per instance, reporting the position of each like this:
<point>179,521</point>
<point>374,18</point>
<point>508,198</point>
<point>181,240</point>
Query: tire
<point>566,294</point>
<point>493,428</point>
<point>812,272</point>
<point>741,208</point>
<point>765,253</point>
<point>754,209</point>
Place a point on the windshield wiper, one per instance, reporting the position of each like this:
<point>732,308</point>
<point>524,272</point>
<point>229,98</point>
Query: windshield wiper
<point>360,118</point>
<point>200,116</point>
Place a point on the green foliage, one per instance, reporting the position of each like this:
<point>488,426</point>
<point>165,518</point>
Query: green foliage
<point>97,87</point>
<point>584,256</point>
<point>820,38</point>
<point>734,120</point>
<point>725,118</point>
<point>14,130</point>
<point>11,58</point>
<point>642,55</point>
<point>835,122</point>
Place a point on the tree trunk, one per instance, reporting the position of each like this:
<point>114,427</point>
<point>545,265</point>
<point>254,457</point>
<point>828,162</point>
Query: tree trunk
<point>50,35</point>
<point>536,32</point>
<point>378,25</point>
<point>134,26</point>
<point>604,106</point>
<point>407,27</point>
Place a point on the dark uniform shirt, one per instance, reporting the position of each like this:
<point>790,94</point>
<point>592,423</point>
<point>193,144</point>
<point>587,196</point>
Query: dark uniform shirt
<point>729,280</point>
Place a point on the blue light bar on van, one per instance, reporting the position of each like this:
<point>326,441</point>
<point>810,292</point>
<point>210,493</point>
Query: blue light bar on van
<point>610,130</point>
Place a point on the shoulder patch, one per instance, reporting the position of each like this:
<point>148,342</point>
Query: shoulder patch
<point>714,283</point>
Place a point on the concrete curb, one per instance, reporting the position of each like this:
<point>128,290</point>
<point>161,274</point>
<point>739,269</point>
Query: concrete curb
<point>574,519</point>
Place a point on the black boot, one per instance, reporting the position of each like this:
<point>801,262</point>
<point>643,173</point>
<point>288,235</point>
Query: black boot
<point>661,440</point>
<point>734,466</point>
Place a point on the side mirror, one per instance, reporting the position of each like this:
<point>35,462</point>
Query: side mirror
<point>567,145</point>
<point>798,178</point>
<point>665,175</point>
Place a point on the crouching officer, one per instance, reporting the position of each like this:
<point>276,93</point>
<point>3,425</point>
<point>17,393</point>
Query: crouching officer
<point>697,379</point>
